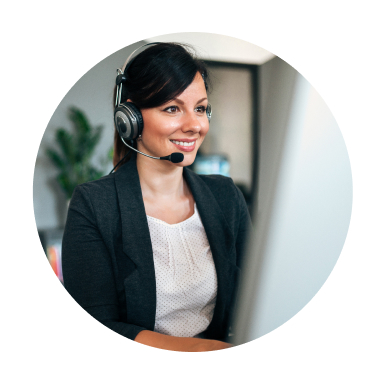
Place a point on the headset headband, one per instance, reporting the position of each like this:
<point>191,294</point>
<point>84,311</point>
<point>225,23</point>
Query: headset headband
<point>132,54</point>
<point>121,78</point>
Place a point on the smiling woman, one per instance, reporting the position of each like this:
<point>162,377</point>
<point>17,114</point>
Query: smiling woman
<point>153,250</point>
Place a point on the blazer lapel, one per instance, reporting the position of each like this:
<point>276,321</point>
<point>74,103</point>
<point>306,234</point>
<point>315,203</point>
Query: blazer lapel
<point>140,284</point>
<point>222,243</point>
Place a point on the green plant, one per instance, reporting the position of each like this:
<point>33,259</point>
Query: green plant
<point>76,149</point>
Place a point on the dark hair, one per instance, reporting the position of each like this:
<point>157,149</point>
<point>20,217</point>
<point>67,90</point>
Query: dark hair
<point>155,76</point>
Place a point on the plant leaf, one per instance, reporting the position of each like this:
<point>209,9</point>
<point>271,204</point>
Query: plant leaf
<point>56,159</point>
<point>76,149</point>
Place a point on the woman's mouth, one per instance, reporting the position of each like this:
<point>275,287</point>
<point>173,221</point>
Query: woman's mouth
<point>184,145</point>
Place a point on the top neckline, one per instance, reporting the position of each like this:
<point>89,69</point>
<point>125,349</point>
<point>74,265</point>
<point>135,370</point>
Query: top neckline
<point>176,224</point>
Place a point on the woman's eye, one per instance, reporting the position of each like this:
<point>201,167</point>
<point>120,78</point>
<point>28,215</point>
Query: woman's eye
<point>172,109</point>
<point>201,109</point>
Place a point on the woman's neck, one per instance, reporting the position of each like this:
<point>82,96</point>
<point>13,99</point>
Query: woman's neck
<point>160,180</point>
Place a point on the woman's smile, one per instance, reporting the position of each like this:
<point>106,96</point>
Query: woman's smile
<point>185,145</point>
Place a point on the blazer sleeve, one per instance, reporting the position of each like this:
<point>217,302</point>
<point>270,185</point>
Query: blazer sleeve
<point>244,228</point>
<point>87,268</point>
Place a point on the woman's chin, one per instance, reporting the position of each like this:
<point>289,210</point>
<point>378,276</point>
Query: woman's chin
<point>188,160</point>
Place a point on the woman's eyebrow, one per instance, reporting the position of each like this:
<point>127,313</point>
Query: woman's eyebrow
<point>179,101</point>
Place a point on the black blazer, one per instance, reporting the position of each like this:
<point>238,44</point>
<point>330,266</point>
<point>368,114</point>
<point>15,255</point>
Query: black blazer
<point>107,257</point>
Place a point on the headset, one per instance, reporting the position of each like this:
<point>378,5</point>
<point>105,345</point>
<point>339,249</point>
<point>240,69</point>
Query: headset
<point>128,118</point>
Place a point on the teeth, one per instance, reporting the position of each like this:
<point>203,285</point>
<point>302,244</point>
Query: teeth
<point>183,143</point>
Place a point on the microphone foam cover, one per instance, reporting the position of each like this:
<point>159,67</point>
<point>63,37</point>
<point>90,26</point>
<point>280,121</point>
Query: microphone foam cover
<point>176,157</point>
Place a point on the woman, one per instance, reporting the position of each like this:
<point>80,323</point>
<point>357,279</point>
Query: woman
<point>152,251</point>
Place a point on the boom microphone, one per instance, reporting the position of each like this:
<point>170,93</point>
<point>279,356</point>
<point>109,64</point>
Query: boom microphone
<point>175,157</point>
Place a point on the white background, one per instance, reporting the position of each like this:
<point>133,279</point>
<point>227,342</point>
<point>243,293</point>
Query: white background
<point>338,337</point>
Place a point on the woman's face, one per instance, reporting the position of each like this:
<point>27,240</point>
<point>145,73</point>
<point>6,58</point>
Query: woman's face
<point>177,126</point>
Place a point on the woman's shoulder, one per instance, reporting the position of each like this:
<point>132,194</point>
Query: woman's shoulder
<point>95,191</point>
<point>96,200</point>
<point>102,184</point>
<point>220,186</point>
<point>217,181</point>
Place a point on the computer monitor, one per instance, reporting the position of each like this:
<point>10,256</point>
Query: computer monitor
<point>302,215</point>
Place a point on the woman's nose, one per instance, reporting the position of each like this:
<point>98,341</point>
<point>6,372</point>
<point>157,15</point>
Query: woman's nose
<point>191,122</point>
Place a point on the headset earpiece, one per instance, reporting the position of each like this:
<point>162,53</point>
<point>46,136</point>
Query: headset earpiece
<point>127,117</point>
<point>128,121</point>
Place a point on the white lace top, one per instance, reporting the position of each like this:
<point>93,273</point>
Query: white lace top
<point>186,281</point>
